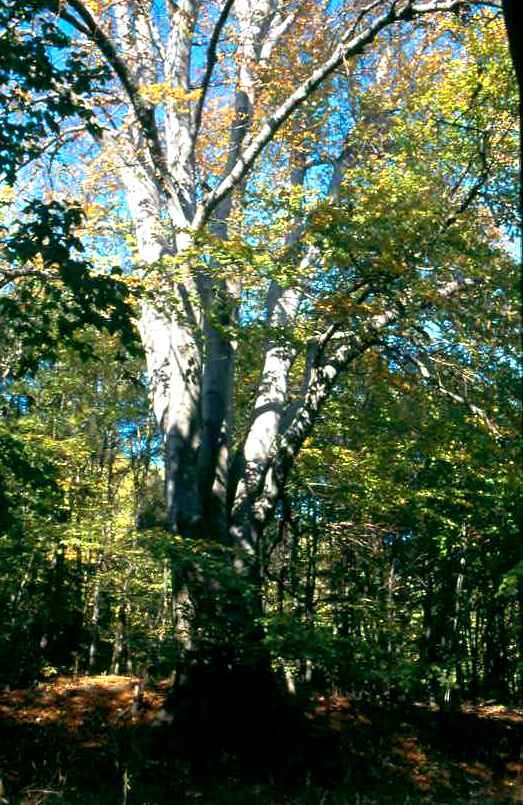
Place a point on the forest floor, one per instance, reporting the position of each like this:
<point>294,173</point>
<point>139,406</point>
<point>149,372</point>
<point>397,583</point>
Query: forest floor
<point>88,740</point>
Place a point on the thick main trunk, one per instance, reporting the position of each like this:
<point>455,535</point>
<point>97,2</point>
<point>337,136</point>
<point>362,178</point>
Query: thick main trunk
<point>213,459</point>
<point>182,428</point>
<point>220,304</point>
<point>226,698</point>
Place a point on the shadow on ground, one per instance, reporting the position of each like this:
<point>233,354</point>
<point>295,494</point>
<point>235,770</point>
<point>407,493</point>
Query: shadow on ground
<point>94,740</point>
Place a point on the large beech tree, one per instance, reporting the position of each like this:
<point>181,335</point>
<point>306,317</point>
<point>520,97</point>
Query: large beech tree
<point>209,103</point>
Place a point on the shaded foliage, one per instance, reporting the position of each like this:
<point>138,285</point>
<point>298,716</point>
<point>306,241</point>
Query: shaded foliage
<point>43,83</point>
<point>53,291</point>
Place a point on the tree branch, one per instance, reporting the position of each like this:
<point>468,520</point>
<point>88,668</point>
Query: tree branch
<point>209,69</point>
<point>74,22</point>
<point>322,378</point>
<point>275,34</point>
<point>143,111</point>
<point>10,274</point>
<point>348,47</point>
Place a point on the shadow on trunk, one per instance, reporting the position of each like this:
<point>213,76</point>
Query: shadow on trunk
<point>227,702</point>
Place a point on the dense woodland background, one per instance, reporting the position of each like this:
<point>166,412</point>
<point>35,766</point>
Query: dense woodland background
<point>390,569</point>
<point>396,566</point>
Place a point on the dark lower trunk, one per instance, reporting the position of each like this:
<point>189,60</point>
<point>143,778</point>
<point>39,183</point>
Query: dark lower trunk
<point>226,699</point>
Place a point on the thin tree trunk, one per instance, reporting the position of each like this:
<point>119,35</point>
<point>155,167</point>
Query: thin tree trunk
<point>95,617</point>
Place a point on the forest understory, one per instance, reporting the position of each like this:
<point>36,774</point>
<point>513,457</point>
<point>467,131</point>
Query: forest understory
<point>99,739</point>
